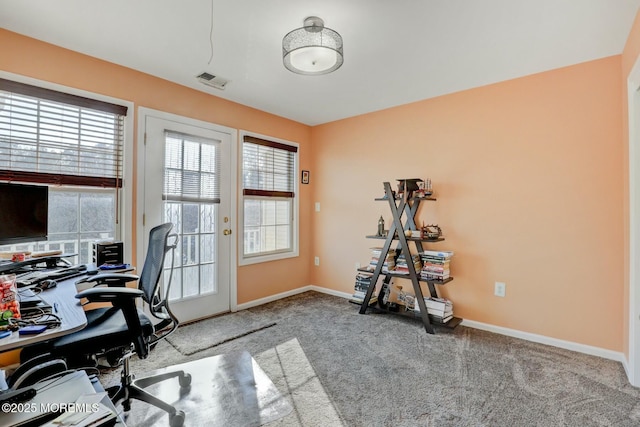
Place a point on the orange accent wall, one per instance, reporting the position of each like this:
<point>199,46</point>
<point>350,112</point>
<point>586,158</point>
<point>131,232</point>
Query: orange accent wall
<point>630,55</point>
<point>528,178</point>
<point>32,58</point>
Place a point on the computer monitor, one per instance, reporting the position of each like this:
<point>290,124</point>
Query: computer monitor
<point>23,213</point>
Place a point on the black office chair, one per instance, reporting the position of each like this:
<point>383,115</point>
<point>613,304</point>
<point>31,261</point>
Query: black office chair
<point>121,330</point>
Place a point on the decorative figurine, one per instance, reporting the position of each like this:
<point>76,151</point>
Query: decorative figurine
<point>381,226</point>
<point>431,231</point>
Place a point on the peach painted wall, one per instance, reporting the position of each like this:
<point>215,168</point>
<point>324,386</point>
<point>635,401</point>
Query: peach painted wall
<point>528,178</point>
<point>32,58</point>
<point>630,55</point>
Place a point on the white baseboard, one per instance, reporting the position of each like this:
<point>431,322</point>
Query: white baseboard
<point>330,292</point>
<point>275,297</point>
<point>568,345</point>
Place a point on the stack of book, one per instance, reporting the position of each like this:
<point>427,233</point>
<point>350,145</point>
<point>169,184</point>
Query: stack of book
<point>435,265</point>
<point>363,281</point>
<point>440,310</point>
<point>389,260</point>
<point>401,264</point>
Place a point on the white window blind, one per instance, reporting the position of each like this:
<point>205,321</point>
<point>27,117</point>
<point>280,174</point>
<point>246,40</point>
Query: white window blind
<point>192,168</point>
<point>269,173</point>
<point>268,168</point>
<point>56,138</point>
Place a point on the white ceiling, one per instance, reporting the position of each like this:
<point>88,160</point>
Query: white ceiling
<point>395,51</point>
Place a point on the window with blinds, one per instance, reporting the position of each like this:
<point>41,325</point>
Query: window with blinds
<point>268,168</point>
<point>268,181</point>
<point>192,166</point>
<point>52,137</point>
<point>74,145</point>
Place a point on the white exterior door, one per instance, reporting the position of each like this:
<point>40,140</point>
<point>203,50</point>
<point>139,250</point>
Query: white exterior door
<point>189,170</point>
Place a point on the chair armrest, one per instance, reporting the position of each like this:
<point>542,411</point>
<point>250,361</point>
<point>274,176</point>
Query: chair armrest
<point>110,279</point>
<point>122,299</point>
<point>110,294</point>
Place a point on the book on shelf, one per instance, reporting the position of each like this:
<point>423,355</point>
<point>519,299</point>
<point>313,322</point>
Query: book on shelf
<point>360,294</point>
<point>436,306</point>
<point>438,312</point>
<point>435,264</point>
<point>434,312</point>
<point>438,254</point>
<point>364,278</point>
<point>438,302</point>
<point>361,286</point>
<point>403,268</point>
<point>389,260</point>
<point>433,276</point>
<point>359,299</point>
<point>435,261</point>
<point>440,319</point>
<point>431,270</point>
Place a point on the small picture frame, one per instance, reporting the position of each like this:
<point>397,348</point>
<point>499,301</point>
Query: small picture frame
<point>305,177</point>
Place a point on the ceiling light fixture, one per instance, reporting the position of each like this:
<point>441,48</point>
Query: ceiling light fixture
<point>312,49</point>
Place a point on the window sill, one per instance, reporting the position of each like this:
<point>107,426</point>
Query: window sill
<point>267,258</point>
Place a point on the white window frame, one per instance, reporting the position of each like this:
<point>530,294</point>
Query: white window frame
<point>294,252</point>
<point>124,230</point>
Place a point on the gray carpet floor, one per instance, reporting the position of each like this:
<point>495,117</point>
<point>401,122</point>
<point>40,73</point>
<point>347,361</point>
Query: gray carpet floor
<point>340,368</point>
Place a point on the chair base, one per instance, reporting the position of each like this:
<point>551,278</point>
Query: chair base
<point>130,388</point>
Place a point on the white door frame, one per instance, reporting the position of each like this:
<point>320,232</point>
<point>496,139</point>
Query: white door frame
<point>633,362</point>
<point>142,115</point>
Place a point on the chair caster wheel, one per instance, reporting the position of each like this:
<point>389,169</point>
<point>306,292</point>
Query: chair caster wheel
<point>177,419</point>
<point>185,380</point>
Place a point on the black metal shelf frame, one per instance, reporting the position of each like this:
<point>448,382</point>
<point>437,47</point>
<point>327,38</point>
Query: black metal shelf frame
<point>409,208</point>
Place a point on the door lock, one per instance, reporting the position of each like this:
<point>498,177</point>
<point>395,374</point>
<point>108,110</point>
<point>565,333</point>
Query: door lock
<point>226,232</point>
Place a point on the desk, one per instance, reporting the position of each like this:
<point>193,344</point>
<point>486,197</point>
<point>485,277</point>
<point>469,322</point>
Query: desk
<point>69,310</point>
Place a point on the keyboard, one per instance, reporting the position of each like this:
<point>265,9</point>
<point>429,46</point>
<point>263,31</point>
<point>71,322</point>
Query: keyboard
<point>67,272</point>
<point>34,277</point>
<point>30,278</point>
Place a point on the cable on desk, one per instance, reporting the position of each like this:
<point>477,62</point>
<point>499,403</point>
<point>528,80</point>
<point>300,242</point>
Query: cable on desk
<point>49,320</point>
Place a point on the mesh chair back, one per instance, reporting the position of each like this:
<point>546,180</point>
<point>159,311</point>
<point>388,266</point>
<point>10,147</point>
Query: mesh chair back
<point>153,263</point>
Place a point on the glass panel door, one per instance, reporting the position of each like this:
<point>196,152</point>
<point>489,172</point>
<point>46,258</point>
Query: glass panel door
<point>187,170</point>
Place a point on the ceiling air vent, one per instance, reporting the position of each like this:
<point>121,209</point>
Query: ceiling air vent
<point>213,81</point>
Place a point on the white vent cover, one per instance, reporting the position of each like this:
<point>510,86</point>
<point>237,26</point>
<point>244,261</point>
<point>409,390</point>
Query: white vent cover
<point>213,81</point>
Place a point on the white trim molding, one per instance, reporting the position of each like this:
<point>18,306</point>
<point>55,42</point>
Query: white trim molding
<point>632,366</point>
<point>541,339</point>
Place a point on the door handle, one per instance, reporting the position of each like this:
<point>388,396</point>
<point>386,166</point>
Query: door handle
<point>226,232</point>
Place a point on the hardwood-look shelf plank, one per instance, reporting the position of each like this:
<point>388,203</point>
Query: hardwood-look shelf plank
<point>406,276</point>
<point>412,314</point>
<point>384,199</point>
<point>413,239</point>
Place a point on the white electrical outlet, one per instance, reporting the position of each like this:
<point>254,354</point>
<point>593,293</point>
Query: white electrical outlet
<point>316,260</point>
<point>500,289</point>
<point>317,206</point>
<point>357,265</point>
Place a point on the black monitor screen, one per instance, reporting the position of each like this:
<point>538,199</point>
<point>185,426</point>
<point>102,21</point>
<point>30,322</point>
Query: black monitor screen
<point>23,213</point>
